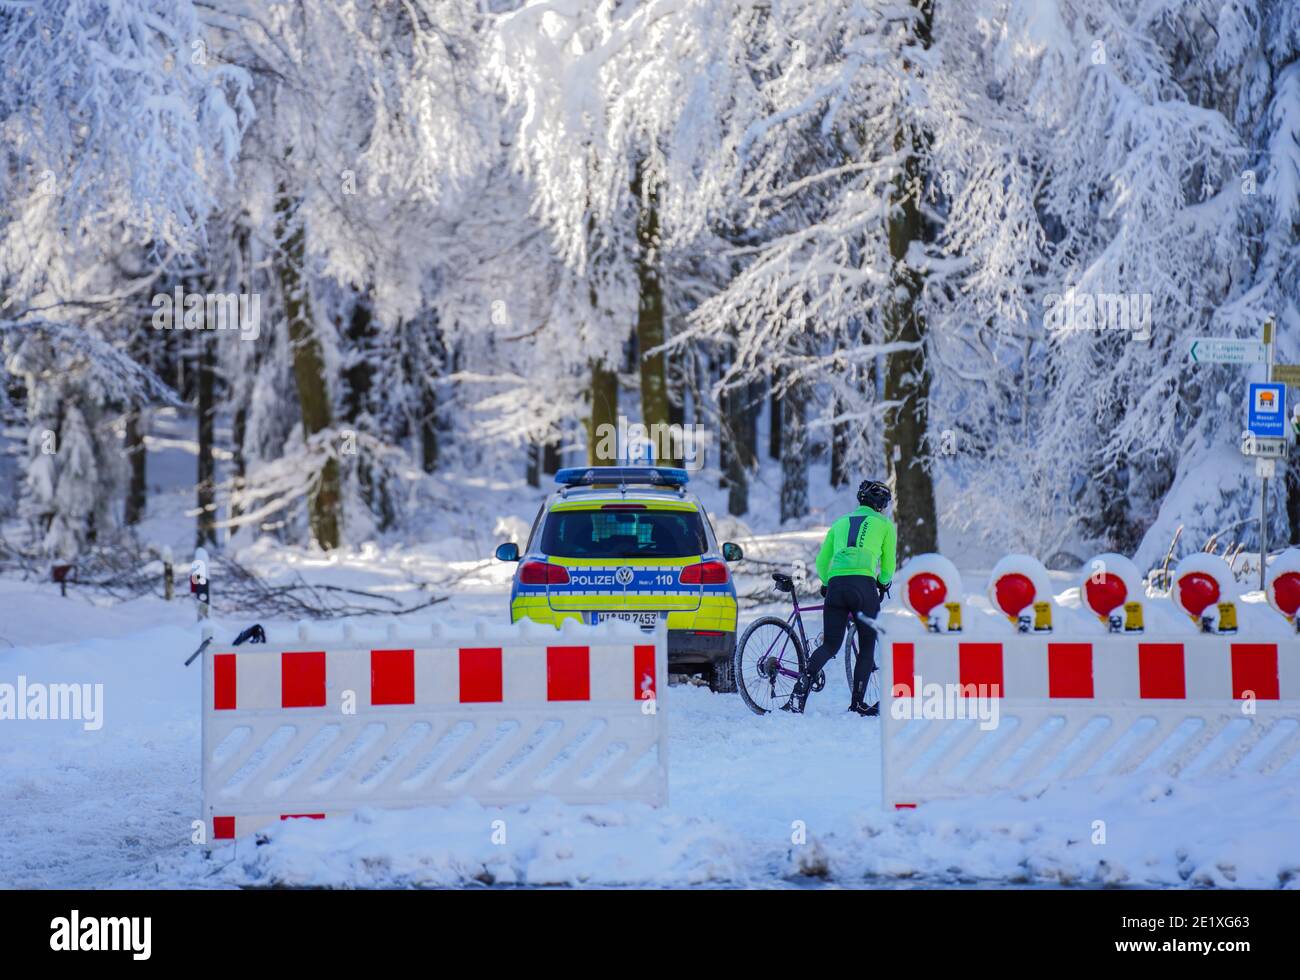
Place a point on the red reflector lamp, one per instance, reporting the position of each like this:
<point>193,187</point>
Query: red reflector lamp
<point>542,573</point>
<point>706,573</point>
<point>925,591</point>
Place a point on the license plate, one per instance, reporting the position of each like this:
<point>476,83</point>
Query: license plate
<point>646,620</point>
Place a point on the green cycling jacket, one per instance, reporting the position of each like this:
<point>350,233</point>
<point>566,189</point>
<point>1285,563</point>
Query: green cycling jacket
<point>862,542</point>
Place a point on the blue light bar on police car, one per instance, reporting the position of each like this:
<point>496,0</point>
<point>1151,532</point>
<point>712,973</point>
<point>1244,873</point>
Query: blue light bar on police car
<point>588,476</point>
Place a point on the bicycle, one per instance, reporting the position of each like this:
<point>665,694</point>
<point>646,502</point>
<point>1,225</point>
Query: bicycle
<point>771,655</point>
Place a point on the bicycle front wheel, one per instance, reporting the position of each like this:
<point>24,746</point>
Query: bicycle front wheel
<point>769,659</point>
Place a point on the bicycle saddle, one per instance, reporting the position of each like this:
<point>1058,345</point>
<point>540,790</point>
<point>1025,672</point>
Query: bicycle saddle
<point>784,583</point>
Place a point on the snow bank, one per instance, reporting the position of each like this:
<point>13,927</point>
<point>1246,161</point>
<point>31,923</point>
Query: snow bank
<point>539,844</point>
<point>1137,831</point>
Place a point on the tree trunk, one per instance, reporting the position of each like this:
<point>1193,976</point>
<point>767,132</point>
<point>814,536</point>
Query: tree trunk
<point>205,484</point>
<point>774,417</point>
<point>357,402</point>
<point>551,457</point>
<point>650,333</point>
<point>1293,502</point>
<point>907,377</point>
<point>243,392</point>
<point>360,373</point>
<point>137,423</point>
<point>749,438</point>
<point>533,468</point>
<point>137,490</point>
<point>543,458</point>
<point>735,452</point>
<point>677,385</point>
<point>429,429</point>
<point>238,462</point>
<point>839,449</point>
<point>604,413</point>
<point>794,452</point>
<point>324,504</point>
<point>425,339</point>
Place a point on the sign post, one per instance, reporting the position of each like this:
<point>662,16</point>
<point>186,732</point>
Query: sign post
<point>200,583</point>
<point>1266,420</point>
<point>1265,436</point>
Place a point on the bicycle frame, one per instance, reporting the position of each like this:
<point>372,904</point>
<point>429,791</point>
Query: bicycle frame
<point>796,619</point>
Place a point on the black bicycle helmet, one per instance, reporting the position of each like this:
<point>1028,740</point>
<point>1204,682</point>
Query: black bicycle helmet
<point>874,494</point>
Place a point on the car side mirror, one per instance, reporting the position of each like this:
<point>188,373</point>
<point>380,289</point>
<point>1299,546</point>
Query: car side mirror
<point>732,552</point>
<point>508,551</point>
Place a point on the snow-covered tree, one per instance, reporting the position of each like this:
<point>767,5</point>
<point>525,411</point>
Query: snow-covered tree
<point>113,110</point>
<point>1094,226</point>
<point>119,131</point>
<point>614,105</point>
<point>76,383</point>
<point>823,151</point>
<point>962,245</point>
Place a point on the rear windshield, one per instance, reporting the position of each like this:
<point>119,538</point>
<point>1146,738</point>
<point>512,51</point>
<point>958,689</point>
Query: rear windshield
<point>624,534</point>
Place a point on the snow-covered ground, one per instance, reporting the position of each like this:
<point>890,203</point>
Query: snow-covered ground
<point>759,801</point>
<point>114,806</point>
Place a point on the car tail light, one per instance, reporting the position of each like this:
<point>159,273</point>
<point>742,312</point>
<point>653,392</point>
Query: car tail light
<point>622,506</point>
<point>706,573</point>
<point>542,573</point>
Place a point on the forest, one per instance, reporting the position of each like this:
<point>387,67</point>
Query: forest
<point>370,249</point>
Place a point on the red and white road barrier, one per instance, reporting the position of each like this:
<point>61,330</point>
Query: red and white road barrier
<point>963,716</point>
<point>500,715</point>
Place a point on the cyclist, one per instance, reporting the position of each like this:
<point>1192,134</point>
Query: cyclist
<point>856,564</point>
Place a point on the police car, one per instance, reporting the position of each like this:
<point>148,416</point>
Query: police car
<point>629,542</point>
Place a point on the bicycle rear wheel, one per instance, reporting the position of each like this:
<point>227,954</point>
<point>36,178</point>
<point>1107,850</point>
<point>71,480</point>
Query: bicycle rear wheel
<point>769,659</point>
<point>851,661</point>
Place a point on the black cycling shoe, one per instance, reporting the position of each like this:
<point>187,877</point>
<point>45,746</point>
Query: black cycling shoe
<point>799,696</point>
<point>859,702</point>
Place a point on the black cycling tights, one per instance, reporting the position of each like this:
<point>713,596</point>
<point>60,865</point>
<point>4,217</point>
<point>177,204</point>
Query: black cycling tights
<point>846,595</point>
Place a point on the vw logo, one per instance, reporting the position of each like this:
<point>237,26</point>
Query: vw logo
<point>623,576</point>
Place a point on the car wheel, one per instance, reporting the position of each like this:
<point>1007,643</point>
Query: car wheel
<point>722,677</point>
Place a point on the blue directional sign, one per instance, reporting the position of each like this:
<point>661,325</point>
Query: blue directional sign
<point>1266,411</point>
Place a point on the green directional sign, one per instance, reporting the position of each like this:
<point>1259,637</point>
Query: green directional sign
<point>1227,350</point>
<point>1287,374</point>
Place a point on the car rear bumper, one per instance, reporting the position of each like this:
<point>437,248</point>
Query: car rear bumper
<point>708,637</point>
<point>700,646</point>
